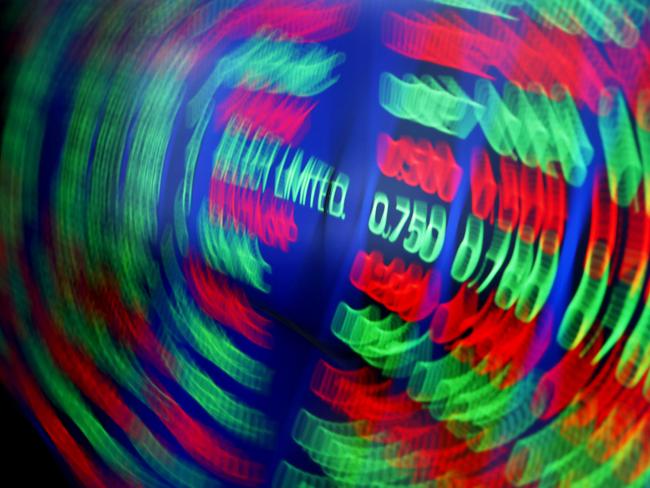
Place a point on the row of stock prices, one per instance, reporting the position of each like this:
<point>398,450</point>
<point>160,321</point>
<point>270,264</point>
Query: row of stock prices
<point>328,243</point>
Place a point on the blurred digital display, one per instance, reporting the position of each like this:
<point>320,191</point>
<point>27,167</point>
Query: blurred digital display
<point>329,243</point>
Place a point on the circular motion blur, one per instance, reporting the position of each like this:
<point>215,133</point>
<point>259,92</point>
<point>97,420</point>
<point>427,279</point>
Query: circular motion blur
<point>329,243</point>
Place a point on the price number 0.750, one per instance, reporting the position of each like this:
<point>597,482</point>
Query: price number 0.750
<point>425,237</point>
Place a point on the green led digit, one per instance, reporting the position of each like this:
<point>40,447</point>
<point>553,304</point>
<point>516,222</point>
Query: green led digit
<point>515,274</point>
<point>635,359</point>
<point>417,227</point>
<point>538,285</point>
<point>621,307</point>
<point>404,206</point>
<point>432,247</point>
<point>587,301</point>
<point>469,251</point>
<point>624,170</point>
<point>378,227</point>
<point>496,255</point>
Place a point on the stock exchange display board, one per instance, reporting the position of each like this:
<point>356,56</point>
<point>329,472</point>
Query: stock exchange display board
<point>330,243</point>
